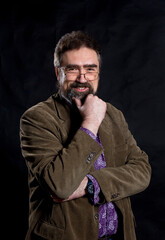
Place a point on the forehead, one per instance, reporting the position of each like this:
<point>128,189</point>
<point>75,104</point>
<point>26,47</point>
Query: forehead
<point>82,56</point>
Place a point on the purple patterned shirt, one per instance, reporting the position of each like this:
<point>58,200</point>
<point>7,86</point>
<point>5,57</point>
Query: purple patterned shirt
<point>108,220</point>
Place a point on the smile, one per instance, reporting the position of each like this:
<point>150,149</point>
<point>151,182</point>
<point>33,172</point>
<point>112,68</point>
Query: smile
<point>81,89</point>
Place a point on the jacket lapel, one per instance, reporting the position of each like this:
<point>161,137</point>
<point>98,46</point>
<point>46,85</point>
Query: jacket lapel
<point>69,117</point>
<point>105,133</point>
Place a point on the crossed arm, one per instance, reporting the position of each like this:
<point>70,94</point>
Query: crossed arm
<point>78,193</point>
<point>92,112</point>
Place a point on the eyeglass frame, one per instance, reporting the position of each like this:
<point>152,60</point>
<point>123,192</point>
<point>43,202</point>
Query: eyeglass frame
<point>78,68</point>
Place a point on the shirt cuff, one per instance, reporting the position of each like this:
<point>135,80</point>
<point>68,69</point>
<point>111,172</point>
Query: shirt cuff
<point>91,134</point>
<point>96,198</point>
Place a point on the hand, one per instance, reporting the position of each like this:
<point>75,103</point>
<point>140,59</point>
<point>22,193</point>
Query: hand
<point>92,111</point>
<point>79,192</point>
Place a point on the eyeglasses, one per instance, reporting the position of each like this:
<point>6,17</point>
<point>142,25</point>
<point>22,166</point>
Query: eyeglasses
<point>72,73</point>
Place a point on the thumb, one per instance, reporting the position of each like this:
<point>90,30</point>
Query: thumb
<point>77,102</point>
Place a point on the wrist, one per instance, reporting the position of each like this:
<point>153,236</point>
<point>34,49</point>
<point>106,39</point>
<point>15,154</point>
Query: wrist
<point>93,127</point>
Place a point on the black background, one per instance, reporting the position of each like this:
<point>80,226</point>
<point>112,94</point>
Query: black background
<point>132,36</point>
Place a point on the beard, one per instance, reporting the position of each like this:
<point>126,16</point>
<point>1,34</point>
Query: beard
<point>71,92</point>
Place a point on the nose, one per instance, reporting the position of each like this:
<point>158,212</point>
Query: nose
<point>81,78</point>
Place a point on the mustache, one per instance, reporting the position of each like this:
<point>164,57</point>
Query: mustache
<point>77,84</point>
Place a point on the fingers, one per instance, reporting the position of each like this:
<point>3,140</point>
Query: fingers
<point>78,102</point>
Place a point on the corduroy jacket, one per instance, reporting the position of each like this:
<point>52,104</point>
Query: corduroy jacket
<point>59,155</point>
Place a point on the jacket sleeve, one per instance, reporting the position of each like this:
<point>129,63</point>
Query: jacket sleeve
<point>133,173</point>
<point>58,169</point>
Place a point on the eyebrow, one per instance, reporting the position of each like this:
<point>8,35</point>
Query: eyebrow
<point>85,65</point>
<point>90,65</point>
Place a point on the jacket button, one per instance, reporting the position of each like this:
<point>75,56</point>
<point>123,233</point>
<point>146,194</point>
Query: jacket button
<point>88,160</point>
<point>96,216</point>
<point>91,155</point>
<point>115,195</point>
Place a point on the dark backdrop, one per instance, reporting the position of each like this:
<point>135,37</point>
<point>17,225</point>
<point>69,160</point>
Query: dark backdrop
<point>132,35</point>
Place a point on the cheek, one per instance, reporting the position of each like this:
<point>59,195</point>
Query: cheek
<point>66,85</point>
<point>95,85</point>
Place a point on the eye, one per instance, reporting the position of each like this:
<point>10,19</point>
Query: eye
<point>91,69</point>
<point>71,69</point>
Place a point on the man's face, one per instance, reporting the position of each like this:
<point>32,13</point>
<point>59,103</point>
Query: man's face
<point>72,81</point>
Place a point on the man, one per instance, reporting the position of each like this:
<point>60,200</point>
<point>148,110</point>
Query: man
<point>83,162</point>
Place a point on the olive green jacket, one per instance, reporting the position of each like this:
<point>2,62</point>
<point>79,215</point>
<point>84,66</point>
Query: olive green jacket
<point>59,155</point>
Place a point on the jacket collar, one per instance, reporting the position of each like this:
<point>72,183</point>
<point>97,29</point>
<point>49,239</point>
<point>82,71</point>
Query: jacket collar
<point>62,107</point>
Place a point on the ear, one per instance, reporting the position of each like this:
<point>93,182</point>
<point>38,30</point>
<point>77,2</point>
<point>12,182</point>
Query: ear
<point>57,73</point>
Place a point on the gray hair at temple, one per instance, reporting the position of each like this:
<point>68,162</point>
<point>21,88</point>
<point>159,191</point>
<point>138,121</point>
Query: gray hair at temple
<point>75,40</point>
